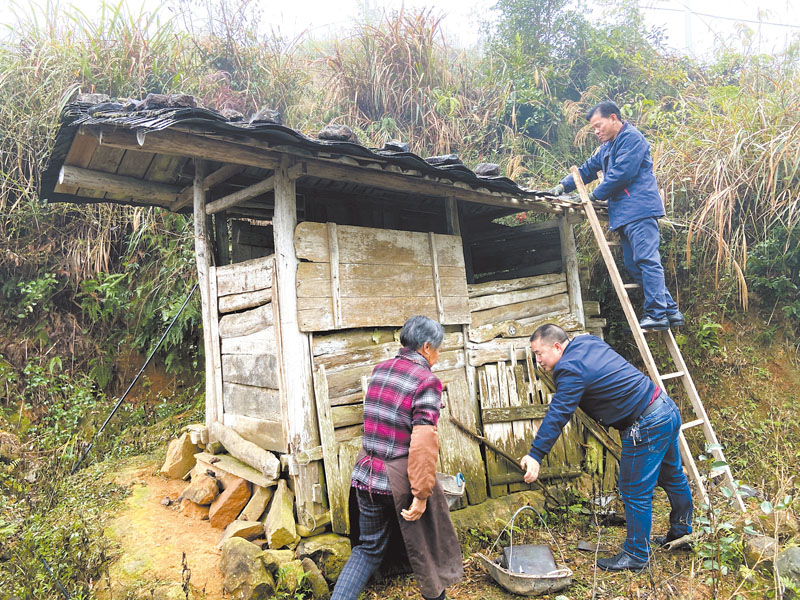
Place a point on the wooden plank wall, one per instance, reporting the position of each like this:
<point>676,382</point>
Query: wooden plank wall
<point>252,403</point>
<point>511,397</point>
<point>364,277</point>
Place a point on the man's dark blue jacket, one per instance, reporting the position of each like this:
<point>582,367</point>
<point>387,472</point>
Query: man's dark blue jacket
<point>606,386</point>
<point>628,184</point>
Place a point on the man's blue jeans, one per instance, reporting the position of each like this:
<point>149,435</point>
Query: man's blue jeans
<point>640,241</point>
<point>650,457</point>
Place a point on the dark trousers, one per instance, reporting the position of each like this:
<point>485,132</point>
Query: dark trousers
<point>640,241</point>
<point>650,457</point>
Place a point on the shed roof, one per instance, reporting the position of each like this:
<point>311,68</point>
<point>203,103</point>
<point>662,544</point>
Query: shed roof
<point>111,153</point>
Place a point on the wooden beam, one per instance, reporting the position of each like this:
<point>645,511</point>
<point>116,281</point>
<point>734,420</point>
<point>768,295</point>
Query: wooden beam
<point>294,347</point>
<point>222,174</point>
<point>201,251</point>
<point>180,143</point>
<point>569,256</point>
<point>148,191</point>
<point>248,193</point>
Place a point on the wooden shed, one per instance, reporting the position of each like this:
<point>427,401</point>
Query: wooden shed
<point>311,253</point>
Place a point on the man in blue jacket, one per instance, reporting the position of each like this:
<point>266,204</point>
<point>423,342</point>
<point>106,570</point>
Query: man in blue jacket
<point>590,374</point>
<point>634,206</point>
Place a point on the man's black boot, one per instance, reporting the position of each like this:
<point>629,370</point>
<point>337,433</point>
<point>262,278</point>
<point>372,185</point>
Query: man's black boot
<point>676,319</point>
<point>621,562</point>
<point>654,324</point>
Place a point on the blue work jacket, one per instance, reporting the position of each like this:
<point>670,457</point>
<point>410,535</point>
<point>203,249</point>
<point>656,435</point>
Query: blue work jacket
<point>590,374</point>
<point>628,184</point>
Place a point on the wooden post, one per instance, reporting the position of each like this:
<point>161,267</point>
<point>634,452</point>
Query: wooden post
<point>569,255</point>
<point>295,355</point>
<point>201,252</point>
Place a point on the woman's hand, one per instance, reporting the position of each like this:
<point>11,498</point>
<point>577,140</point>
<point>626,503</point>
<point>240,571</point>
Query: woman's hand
<point>415,511</point>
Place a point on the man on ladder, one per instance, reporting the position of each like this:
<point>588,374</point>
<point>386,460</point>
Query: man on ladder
<point>634,206</point>
<point>588,373</point>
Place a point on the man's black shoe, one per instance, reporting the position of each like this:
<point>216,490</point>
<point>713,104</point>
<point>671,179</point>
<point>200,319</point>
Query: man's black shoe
<point>621,562</point>
<point>654,324</point>
<point>676,319</point>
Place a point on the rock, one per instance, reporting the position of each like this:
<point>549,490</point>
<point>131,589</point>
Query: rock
<point>780,523</point>
<point>258,503</point>
<point>328,551</point>
<point>275,559</point>
<point>487,170</point>
<point>198,433</point>
<point>267,115</point>
<point>155,101</point>
<point>193,510</point>
<point>314,580</point>
<point>492,515</point>
<point>166,501</point>
<point>445,159</point>
<point>245,577</point>
<point>204,489</point>
<point>289,576</point>
<point>10,446</point>
<point>760,550</point>
<point>231,114</point>
<point>215,448</point>
<point>229,503</point>
<point>262,543</point>
<point>397,146</point>
<point>180,457</point>
<point>337,133</point>
<point>279,523</point>
<point>248,530</point>
<point>788,565</point>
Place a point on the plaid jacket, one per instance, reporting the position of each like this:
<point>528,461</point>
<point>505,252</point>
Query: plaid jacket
<point>402,393</point>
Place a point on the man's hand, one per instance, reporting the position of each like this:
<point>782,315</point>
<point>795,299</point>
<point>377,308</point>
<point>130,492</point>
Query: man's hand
<point>557,191</point>
<point>531,466</point>
<point>415,511</point>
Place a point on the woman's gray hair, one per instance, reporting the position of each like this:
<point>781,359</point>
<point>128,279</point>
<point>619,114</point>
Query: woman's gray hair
<point>418,330</point>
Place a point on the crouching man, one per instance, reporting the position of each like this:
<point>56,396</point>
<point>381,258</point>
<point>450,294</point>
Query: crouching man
<point>590,374</point>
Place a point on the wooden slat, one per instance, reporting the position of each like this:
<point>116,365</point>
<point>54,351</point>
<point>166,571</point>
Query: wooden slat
<point>240,196</point>
<point>522,327</point>
<point>351,414</point>
<point>251,401</point>
<point>333,254</point>
<point>220,175</point>
<point>270,435</point>
<point>251,369</point>
<point>247,276</point>
<point>229,464</point>
<point>513,413</point>
<point>255,343</point>
<point>365,281</point>
<point>236,302</point>
<point>569,254</point>
<point>343,343</point>
<point>459,453</point>
<point>133,164</point>
<point>496,433</point>
<point>247,322</point>
<point>506,298</point>
<point>519,310</point>
<point>437,285</point>
<point>79,155</point>
<point>511,285</point>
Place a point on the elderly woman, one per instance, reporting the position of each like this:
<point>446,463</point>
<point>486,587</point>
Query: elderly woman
<point>394,478</point>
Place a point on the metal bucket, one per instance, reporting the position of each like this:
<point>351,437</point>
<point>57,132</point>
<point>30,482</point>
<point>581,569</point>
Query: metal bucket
<point>453,487</point>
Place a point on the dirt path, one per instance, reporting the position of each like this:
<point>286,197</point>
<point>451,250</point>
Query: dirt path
<point>152,539</point>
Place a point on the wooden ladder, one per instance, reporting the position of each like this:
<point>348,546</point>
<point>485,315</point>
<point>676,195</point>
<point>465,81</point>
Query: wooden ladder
<point>681,372</point>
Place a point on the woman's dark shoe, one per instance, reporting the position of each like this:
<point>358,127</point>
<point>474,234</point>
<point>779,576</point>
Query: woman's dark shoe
<point>621,562</point>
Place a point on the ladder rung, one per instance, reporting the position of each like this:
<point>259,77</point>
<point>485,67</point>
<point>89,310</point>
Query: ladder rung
<point>674,375</point>
<point>694,423</point>
<point>613,242</point>
<point>631,286</point>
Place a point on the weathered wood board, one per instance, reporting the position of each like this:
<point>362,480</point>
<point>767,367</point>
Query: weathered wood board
<point>255,343</point>
<point>248,276</point>
<point>519,310</point>
<point>362,277</point>
<point>458,452</point>
<point>270,435</point>
<point>251,369</point>
<point>246,322</point>
<point>251,401</point>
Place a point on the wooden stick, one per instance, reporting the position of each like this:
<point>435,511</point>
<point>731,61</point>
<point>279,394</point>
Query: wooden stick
<point>139,189</point>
